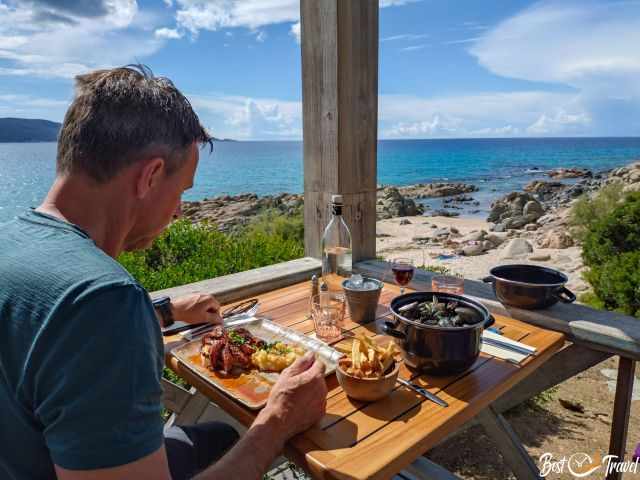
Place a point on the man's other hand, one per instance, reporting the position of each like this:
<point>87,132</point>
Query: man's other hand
<point>299,397</point>
<point>196,308</point>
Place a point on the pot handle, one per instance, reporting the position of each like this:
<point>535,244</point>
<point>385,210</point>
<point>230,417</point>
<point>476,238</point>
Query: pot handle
<point>565,295</point>
<point>489,279</point>
<point>490,321</point>
<point>389,329</point>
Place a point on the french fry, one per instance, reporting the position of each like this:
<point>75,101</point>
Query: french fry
<point>367,359</point>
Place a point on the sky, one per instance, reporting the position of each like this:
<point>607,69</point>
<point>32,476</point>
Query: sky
<point>447,69</point>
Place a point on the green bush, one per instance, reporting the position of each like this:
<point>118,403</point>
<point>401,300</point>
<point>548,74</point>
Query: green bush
<point>616,283</point>
<point>187,253</point>
<point>272,222</point>
<point>611,250</point>
<point>615,233</point>
<point>587,211</point>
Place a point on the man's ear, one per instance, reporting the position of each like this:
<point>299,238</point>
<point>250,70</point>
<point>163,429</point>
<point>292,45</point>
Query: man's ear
<point>149,176</point>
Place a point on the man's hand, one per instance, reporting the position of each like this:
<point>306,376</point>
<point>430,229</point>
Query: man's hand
<point>298,399</point>
<point>196,308</point>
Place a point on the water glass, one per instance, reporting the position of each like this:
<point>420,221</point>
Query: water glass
<point>327,312</point>
<point>448,284</point>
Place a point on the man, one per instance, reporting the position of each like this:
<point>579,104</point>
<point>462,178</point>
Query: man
<point>81,350</point>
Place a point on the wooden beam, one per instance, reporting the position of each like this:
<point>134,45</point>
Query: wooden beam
<point>340,117</point>
<point>621,410</point>
<point>601,330</point>
<point>510,446</point>
<point>229,288</point>
<point>566,363</point>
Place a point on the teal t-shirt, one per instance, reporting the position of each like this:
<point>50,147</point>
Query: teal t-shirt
<point>81,354</point>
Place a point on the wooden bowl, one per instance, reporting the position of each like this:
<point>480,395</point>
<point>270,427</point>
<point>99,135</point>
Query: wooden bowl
<point>367,389</point>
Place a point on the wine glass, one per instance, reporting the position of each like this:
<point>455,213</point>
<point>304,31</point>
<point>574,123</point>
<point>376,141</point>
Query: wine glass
<point>402,269</point>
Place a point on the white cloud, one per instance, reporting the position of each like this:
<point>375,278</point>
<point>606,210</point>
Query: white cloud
<point>481,115</point>
<point>406,116</point>
<point>29,106</point>
<point>559,123</point>
<point>295,31</point>
<point>589,46</point>
<point>242,117</point>
<point>405,36</point>
<point>395,3</point>
<point>584,45</point>
<point>171,33</point>
<point>464,40</point>
<point>414,47</point>
<point>261,36</point>
<point>39,40</point>
<point>196,15</point>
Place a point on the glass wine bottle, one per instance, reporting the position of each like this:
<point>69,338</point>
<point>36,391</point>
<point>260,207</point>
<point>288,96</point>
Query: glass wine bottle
<point>336,247</point>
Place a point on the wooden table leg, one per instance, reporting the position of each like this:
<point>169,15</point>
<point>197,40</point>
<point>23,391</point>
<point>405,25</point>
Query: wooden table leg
<point>621,409</point>
<point>513,453</point>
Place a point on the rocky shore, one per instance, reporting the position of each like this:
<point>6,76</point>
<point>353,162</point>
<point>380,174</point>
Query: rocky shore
<point>522,226</point>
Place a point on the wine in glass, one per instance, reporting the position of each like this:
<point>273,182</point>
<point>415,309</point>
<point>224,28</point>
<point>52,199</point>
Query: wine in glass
<point>402,269</point>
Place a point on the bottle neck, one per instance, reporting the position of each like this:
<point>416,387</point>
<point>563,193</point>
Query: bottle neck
<point>336,210</point>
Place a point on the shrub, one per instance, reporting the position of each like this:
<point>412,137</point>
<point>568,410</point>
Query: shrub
<point>616,283</point>
<point>615,233</point>
<point>611,250</point>
<point>588,211</point>
<point>187,253</point>
<point>272,222</point>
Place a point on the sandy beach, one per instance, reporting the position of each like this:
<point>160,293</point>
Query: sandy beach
<point>395,239</point>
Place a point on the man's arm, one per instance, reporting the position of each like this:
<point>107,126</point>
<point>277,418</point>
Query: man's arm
<point>296,402</point>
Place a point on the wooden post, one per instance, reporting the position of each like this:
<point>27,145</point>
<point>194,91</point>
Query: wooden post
<point>340,118</point>
<point>621,410</point>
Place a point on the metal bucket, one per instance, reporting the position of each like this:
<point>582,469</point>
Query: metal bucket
<point>363,304</point>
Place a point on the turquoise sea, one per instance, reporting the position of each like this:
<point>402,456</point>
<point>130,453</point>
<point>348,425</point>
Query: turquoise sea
<point>497,166</point>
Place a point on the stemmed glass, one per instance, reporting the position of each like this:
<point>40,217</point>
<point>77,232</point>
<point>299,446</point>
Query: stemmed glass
<point>402,269</point>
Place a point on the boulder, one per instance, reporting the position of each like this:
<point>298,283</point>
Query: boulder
<point>558,239</point>
<point>405,221</point>
<point>540,257</point>
<point>444,213</point>
<point>540,187</point>
<point>517,247</point>
<point>514,211</point>
<point>230,211</point>
<point>628,175</point>
<point>496,238</point>
<point>391,203</point>
<point>472,249</point>
<point>531,227</point>
<point>475,236</point>
<point>436,190</point>
<point>560,173</point>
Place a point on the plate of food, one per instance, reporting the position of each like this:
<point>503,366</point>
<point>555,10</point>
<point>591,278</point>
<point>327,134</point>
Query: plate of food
<point>244,358</point>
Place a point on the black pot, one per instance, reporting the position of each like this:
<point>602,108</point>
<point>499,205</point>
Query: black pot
<point>433,349</point>
<point>529,286</point>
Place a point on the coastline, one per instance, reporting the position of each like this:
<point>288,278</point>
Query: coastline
<point>528,226</point>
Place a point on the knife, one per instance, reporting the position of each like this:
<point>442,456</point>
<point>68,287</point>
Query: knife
<point>508,346</point>
<point>424,392</point>
<point>227,316</point>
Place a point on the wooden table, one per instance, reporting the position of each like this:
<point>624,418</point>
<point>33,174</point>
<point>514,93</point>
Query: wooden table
<point>357,440</point>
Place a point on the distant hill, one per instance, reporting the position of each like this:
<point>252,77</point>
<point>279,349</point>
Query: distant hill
<point>34,130</point>
<point>28,130</point>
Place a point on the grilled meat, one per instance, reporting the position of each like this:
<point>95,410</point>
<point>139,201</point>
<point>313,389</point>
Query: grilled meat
<point>223,350</point>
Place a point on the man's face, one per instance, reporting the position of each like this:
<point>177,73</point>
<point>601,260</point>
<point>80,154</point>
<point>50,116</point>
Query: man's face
<point>163,203</point>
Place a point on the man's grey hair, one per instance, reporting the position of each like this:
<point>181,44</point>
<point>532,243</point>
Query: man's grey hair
<point>123,115</point>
